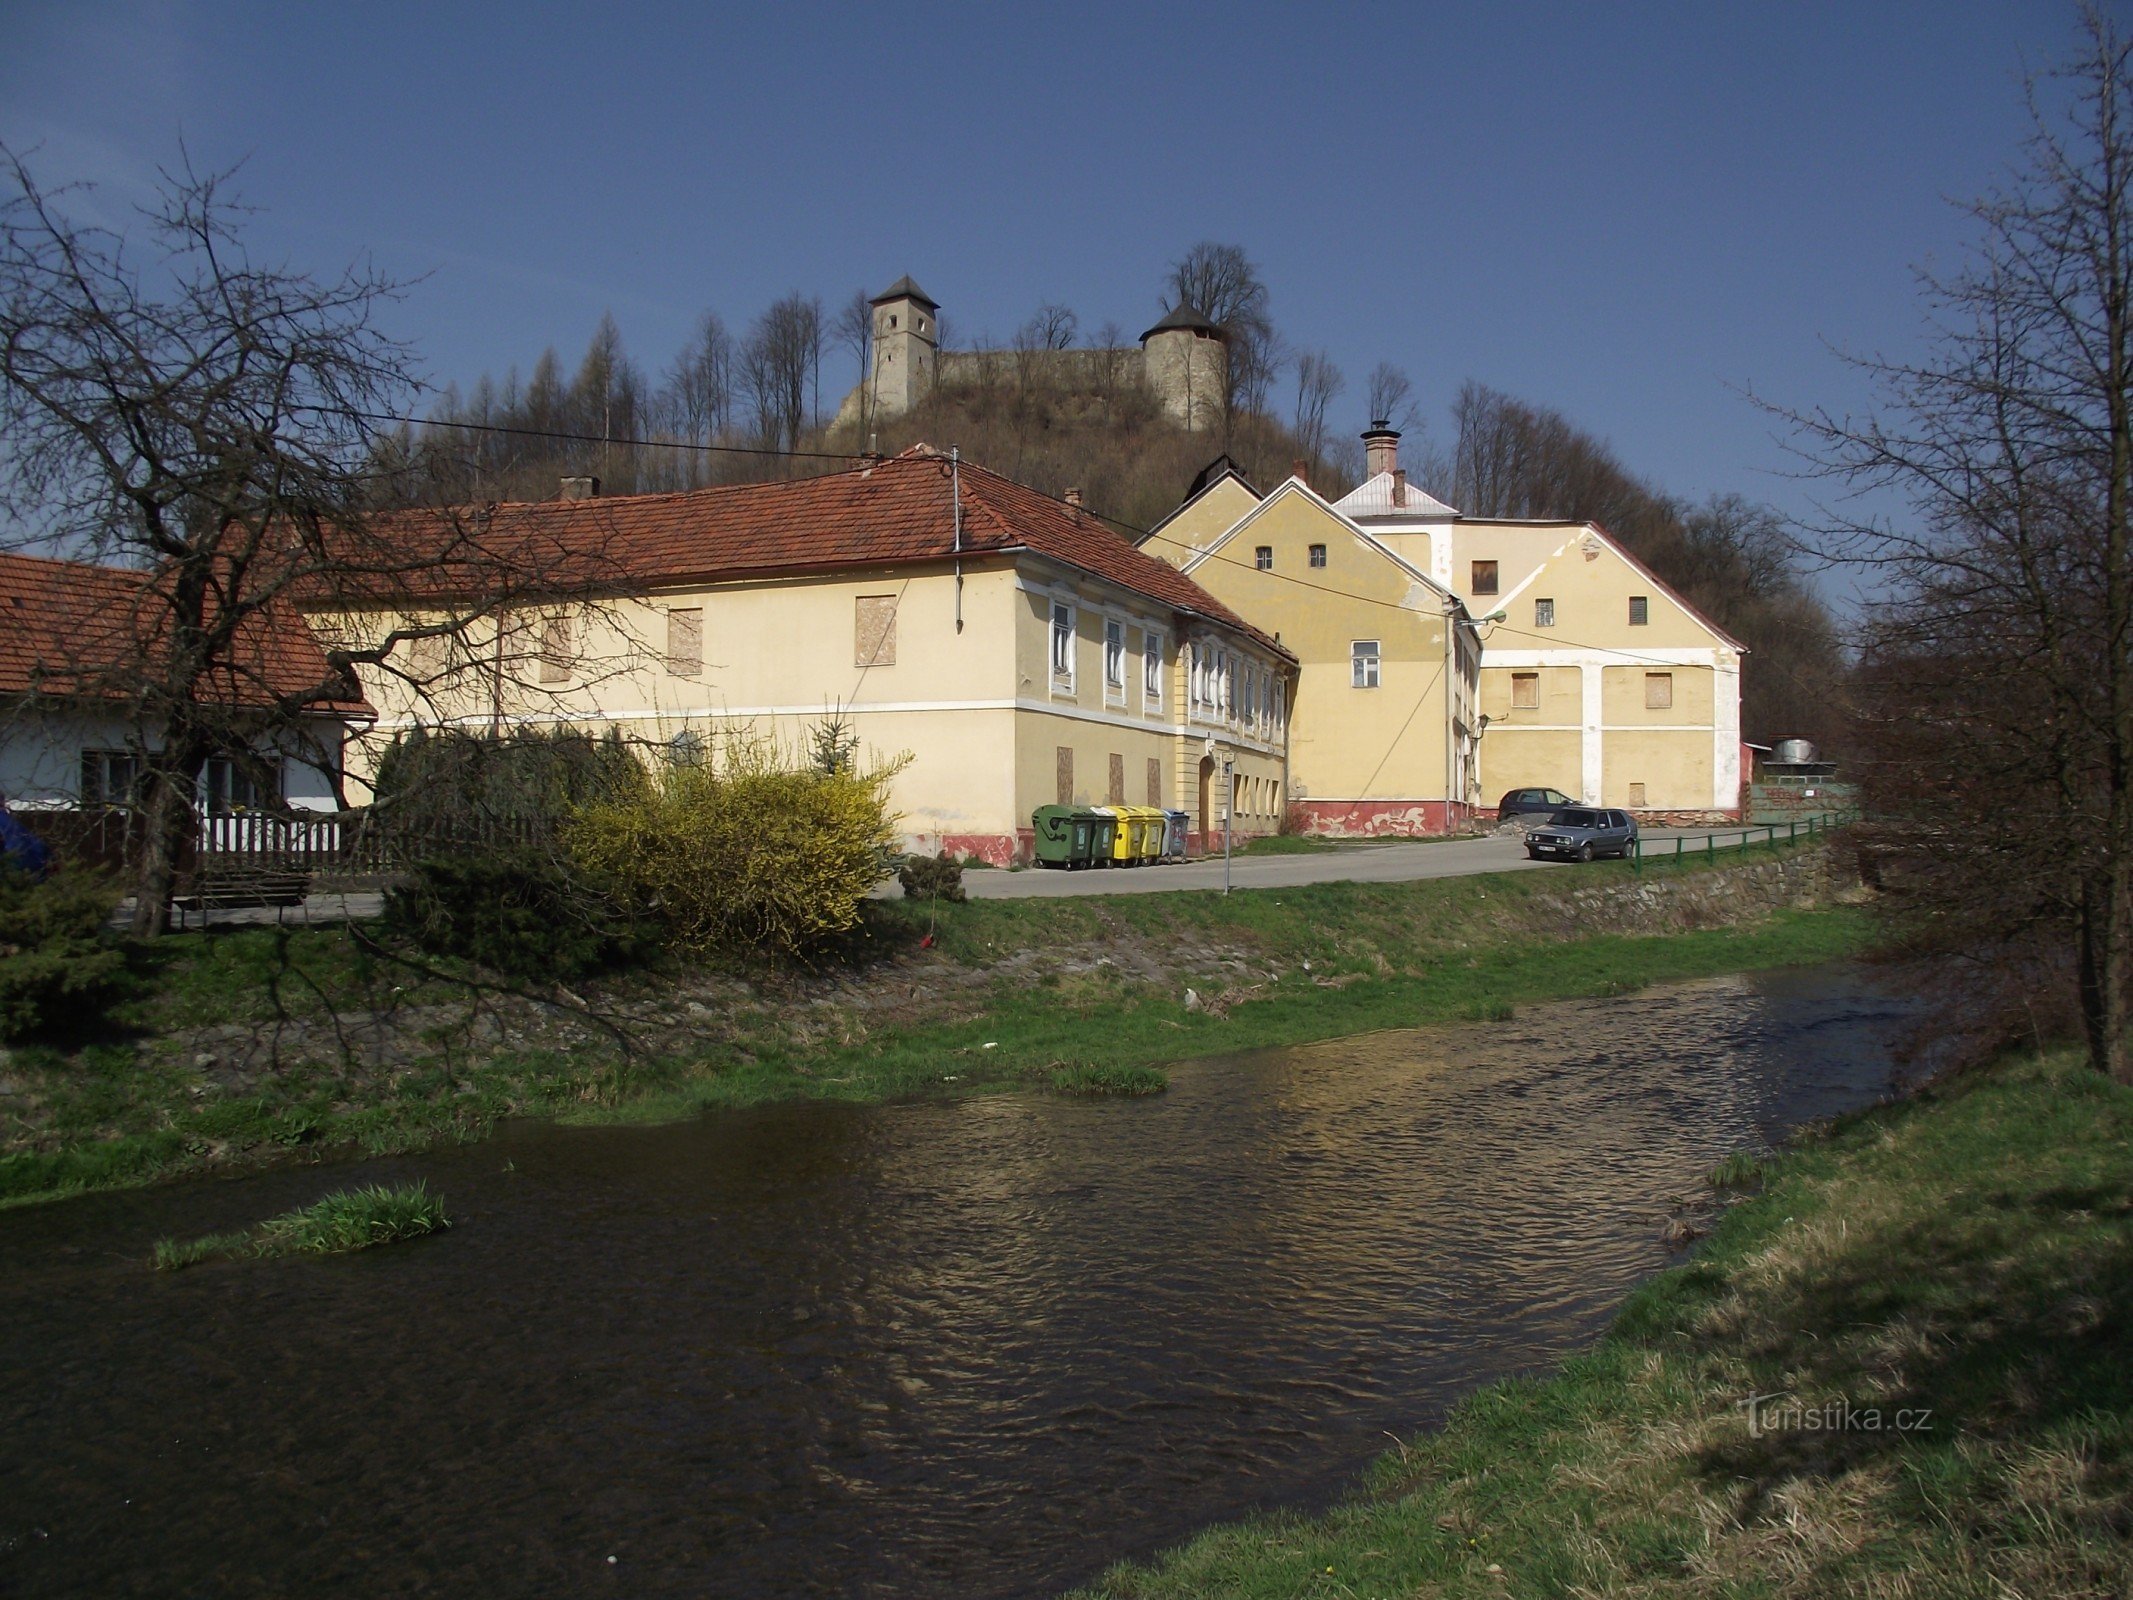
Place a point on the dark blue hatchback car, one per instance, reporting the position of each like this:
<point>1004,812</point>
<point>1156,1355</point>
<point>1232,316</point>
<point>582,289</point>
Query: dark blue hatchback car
<point>1579,833</point>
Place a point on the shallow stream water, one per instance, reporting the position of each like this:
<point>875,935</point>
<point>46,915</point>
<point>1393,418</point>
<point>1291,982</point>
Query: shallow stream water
<point>976,1347</point>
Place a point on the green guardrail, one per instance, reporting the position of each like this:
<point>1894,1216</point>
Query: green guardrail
<point>1790,832</point>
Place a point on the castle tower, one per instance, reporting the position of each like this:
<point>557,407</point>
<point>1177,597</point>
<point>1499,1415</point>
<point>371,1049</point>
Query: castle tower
<point>907,341</point>
<point>1187,362</point>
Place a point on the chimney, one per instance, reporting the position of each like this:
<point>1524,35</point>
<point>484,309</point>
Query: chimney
<point>1300,470</point>
<point>1073,498</point>
<point>1381,449</point>
<point>1399,486</point>
<point>580,489</point>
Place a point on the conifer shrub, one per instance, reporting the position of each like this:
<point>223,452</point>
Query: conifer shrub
<point>59,964</point>
<point>754,853</point>
<point>937,877</point>
<point>527,914</point>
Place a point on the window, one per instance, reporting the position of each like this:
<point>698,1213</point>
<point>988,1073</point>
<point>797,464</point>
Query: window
<point>108,777</point>
<point>1363,664</point>
<point>1063,644</point>
<point>1318,555</point>
<point>1525,691</point>
<point>1266,700</point>
<point>1544,613</point>
<point>1484,577</point>
<point>874,630</point>
<point>1152,668</point>
<point>426,656</point>
<point>1636,796</point>
<point>1251,695</point>
<point>1229,686</point>
<point>555,650</point>
<point>1263,558</point>
<point>1658,691</point>
<point>1640,610</point>
<point>1281,704</point>
<point>229,787</point>
<point>685,640</point>
<point>1114,657</point>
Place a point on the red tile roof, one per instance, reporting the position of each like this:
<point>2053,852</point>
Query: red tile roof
<point>894,511</point>
<point>67,628</point>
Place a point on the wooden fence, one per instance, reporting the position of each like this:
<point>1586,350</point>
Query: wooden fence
<point>354,843</point>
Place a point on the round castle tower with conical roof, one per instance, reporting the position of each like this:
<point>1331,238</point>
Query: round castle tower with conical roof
<point>1183,359</point>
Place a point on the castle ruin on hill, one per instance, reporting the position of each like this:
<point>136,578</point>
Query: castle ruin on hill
<point>1183,361</point>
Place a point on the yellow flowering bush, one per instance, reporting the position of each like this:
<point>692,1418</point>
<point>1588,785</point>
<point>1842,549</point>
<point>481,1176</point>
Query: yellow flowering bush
<point>756,854</point>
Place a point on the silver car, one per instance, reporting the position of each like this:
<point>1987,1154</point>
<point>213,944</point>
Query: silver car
<point>1580,833</point>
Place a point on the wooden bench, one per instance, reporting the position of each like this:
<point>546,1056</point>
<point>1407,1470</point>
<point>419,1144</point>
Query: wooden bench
<point>227,887</point>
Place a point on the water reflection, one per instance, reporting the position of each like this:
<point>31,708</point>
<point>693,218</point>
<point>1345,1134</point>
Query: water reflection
<point>957,1349</point>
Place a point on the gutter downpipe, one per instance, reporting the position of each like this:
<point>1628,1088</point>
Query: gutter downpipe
<point>1451,703</point>
<point>955,480</point>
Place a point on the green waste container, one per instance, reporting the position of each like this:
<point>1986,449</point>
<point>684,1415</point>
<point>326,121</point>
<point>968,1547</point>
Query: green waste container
<point>1066,837</point>
<point>1103,830</point>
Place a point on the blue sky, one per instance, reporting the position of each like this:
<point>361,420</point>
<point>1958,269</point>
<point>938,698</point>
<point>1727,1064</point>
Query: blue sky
<point>1626,212</point>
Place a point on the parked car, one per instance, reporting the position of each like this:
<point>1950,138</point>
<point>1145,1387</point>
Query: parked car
<point>1531,803</point>
<point>1580,833</point>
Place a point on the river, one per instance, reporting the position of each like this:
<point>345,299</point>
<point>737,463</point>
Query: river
<point>976,1347</point>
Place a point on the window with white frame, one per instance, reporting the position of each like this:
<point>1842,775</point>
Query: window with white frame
<point>1544,613</point>
<point>1114,658</point>
<point>109,777</point>
<point>1363,664</point>
<point>1152,668</point>
<point>1226,694</point>
<point>1251,694</point>
<point>1062,643</point>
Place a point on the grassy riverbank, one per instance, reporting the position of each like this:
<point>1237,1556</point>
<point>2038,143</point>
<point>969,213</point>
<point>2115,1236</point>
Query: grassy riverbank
<point>273,1045</point>
<point>1957,1270</point>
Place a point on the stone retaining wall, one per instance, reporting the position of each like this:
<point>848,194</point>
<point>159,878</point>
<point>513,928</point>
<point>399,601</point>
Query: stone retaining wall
<point>1665,899</point>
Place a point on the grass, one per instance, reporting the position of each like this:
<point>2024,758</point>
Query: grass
<point>355,1219</point>
<point>1012,988</point>
<point>1107,1079</point>
<point>1935,1301</point>
<point>1279,844</point>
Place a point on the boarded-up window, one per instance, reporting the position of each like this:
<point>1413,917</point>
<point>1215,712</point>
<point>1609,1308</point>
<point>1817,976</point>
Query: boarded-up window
<point>1658,691</point>
<point>1636,796</point>
<point>1525,691</point>
<point>555,650</point>
<point>1640,610</point>
<point>685,641</point>
<point>1484,577</point>
<point>1064,755</point>
<point>1117,789</point>
<point>874,631</point>
<point>1155,781</point>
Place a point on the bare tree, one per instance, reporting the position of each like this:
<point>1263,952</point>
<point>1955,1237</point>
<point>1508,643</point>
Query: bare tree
<point>1998,675</point>
<point>1221,283</point>
<point>1318,381</point>
<point>779,361</point>
<point>853,328</point>
<point>1053,327</point>
<point>209,426</point>
<point>1390,393</point>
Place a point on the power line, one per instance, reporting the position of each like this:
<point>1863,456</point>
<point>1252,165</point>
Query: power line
<point>595,438</point>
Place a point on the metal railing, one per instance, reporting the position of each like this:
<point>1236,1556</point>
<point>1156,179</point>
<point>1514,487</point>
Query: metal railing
<point>1790,832</point>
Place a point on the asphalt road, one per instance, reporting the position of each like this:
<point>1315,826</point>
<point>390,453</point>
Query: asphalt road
<point>1352,863</point>
<point>1360,862</point>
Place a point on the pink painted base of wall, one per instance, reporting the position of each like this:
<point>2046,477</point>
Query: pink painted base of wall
<point>1376,819</point>
<point>996,849</point>
<point>1486,818</point>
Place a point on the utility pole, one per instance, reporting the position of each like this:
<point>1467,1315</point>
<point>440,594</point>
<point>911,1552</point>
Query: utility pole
<point>1229,805</point>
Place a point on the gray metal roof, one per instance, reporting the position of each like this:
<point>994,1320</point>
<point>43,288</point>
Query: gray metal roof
<point>904,289</point>
<point>1183,315</point>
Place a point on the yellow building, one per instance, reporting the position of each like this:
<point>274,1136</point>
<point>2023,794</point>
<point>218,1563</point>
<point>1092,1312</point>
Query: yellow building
<point>1383,736</point>
<point>1596,678</point>
<point>1016,651</point>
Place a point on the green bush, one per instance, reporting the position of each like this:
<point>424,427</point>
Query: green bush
<point>521,913</point>
<point>58,963</point>
<point>757,855</point>
<point>932,878</point>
